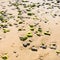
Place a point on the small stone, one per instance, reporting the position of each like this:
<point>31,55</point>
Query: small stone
<point>58,7</point>
<point>30,40</point>
<point>43,46</point>
<point>58,1</point>
<point>32,29</point>
<point>4,26</point>
<point>55,14</point>
<point>0,38</point>
<point>23,38</point>
<point>4,57</point>
<point>53,46</point>
<point>14,52</point>
<point>58,52</point>
<point>29,35</point>
<point>34,48</point>
<point>40,29</point>
<point>26,44</point>
<point>47,33</point>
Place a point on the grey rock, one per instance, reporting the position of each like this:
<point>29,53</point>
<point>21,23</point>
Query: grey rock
<point>53,46</point>
<point>43,46</point>
<point>25,44</point>
<point>34,48</point>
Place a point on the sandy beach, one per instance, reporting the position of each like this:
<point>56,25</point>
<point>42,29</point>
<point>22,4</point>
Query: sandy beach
<point>30,30</point>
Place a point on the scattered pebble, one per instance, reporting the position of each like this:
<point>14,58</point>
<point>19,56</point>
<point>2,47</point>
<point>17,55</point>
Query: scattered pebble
<point>25,44</point>
<point>33,48</point>
<point>43,46</point>
<point>53,46</point>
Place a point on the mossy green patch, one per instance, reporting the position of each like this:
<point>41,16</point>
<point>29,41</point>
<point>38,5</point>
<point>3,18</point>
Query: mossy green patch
<point>29,35</point>
<point>6,30</point>
<point>23,38</point>
<point>4,57</point>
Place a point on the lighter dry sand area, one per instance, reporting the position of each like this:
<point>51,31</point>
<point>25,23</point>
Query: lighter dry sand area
<point>29,30</point>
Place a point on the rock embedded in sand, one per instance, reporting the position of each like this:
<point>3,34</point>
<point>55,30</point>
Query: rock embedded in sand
<point>37,33</point>
<point>58,52</point>
<point>30,14</point>
<point>6,30</point>
<point>43,46</point>
<point>50,0</point>
<point>32,29</point>
<point>29,35</point>
<point>58,1</point>
<point>55,14</point>
<point>25,44</point>
<point>53,46</point>
<point>1,18</point>
<point>14,52</point>
<point>4,57</point>
<point>23,38</point>
<point>0,38</point>
<point>19,29</point>
<point>20,22</point>
<point>31,26</point>
<point>30,40</point>
<point>4,26</point>
<point>40,29</point>
<point>4,21</point>
<point>25,1</point>
<point>33,48</point>
<point>10,24</point>
<point>28,10</point>
<point>47,33</point>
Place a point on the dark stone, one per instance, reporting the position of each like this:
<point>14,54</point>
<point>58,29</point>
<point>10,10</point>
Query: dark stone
<point>55,14</point>
<point>58,1</point>
<point>26,44</point>
<point>50,0</point>
<point>14,52</point>
<point>0,38</point>
<point>53,46</point>
<point>58,7</point>
<point>23,38</point>
<point>4,26</point>
<point>30,41</point>
<point>34,48</point>
<point>47,4</point>
<point>43,46</point>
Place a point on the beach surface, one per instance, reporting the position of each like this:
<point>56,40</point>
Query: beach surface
<point>29,30</point>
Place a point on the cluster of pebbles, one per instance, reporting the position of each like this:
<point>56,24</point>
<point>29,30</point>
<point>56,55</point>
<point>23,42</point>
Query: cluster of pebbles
<point>28,19</point>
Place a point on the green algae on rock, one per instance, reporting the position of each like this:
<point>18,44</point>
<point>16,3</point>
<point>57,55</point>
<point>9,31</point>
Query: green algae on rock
<point>29,35</point>
<point>6,30</point>
<point>47,33</point>
<point>4,57</point>
<point>23,38</point>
